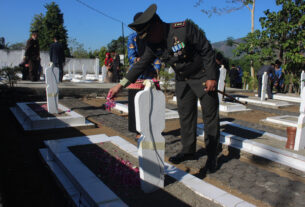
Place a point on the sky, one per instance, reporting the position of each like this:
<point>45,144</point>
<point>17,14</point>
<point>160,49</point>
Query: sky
<point>95,30</point>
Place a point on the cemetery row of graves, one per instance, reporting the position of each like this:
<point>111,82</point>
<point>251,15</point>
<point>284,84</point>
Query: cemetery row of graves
<point>104,166</point>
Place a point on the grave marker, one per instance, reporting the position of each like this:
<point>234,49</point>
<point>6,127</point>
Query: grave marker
<point>97,67</point>
<point>74,70</point>
<point>300,136</point>
<point>221,82</point>
<point>84,72</point>
<point>264,86</point>
<point>150,122</point>
<point>52,79</point>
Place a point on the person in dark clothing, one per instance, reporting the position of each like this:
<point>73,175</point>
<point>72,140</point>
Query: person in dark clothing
<point>270,72</point>
<point>57,56</point>
<point>184,47</point>
<point>115,67</point>
<point>234,75</point>
<point>32,56</point>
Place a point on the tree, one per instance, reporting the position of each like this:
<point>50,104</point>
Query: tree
<point>250,4</point>
<point>117,45</point>
<point>17,46</point>
<point>50,25</point>
<point>77,49</point>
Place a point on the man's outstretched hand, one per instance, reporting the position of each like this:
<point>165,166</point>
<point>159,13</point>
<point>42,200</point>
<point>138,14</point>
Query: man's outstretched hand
<point>114,90</point>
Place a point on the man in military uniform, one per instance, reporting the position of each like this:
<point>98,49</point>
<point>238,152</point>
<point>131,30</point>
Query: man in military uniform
<point>185,48</point>
<point>32,56</point>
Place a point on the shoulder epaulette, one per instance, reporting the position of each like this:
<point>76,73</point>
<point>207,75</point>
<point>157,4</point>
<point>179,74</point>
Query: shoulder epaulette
<point>178,24</point>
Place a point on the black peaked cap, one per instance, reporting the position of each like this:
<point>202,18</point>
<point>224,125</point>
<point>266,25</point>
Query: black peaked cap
<point>141,23</point>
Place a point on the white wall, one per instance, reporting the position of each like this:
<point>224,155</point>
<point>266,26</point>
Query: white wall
<point>14,58</point>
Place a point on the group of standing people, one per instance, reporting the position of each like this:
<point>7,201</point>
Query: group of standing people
<point>275,78</point>
<point>31,66</point>
<point>112,65</point>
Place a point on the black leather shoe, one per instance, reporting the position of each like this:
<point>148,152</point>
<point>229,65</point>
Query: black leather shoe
<point>211,165</point>
<point>181,157</point>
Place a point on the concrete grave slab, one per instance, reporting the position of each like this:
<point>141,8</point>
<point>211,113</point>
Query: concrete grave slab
<point>30,120</point>
<point>226,107</point>
<point>267,103</point>
<point>287,98</point>
<point>74,188</point>
<point>284,120</point>
<point>281,156</point>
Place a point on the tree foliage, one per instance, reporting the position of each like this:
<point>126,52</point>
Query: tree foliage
<point>50,25</point>
<point>286,32</point>
<point>118,45</point>
<point>257,48</point>
<point>17,46</point>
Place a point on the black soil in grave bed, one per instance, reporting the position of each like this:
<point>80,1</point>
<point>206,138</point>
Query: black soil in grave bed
<point>42,111</point>
<point>119,171</point>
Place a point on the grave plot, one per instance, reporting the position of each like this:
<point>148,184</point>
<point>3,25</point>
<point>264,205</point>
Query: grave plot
<point>266,103</point>
<point>42,115</point>
<point>259,143</point>
<point>283,121</point>
<point>225,107</point>
<point>34,116</point>
<point>99,170</point>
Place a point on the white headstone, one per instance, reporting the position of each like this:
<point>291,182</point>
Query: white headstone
<point>52,79</point>
<point>150,122</point>
<point>74,70</point>
<point>302,80</point>
<point>264,86</point>
<point>221,81</point>
<point>104,73</point>
<point>300,136</point>
<point>69,70</point>
<point>84,71</point>
<point>97,67</point>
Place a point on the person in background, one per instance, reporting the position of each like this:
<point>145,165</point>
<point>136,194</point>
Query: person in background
<point>234,75</point>
<point>115,67</point>
<point>135,49</point>
<point>278,80</point>
<point>240,77</point>
<point>32,56</point>
<point>108,65</point>
<point>57,56</point>
<point>270,73</point>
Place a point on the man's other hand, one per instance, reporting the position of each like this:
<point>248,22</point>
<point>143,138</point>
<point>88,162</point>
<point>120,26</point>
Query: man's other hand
<point>210,85</point>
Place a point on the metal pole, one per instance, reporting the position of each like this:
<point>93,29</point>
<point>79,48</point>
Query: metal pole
<point>123,45</point>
